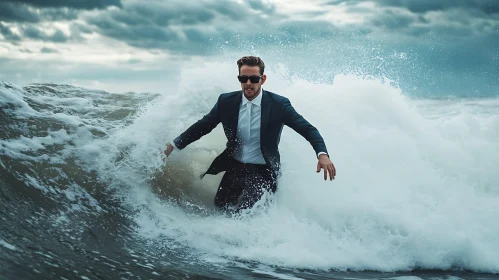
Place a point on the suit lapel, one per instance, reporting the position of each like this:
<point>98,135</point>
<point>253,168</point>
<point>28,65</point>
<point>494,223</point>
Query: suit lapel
<point>265,113</point>
<point>235,105</point>
<point>234,115</point>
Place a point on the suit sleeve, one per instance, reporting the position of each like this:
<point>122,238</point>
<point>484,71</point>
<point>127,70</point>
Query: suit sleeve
<point>200,128</point>
<point>299,124</point>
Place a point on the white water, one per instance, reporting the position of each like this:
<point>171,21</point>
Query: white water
<point>417,182</point>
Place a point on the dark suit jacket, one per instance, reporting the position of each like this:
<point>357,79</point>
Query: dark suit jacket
<point>276,112</point>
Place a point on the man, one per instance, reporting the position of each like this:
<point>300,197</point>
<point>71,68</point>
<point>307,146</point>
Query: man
<point>252,120</point>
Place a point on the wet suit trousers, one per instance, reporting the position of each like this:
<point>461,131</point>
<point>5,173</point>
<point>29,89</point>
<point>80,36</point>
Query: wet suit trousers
<point>243,184</point>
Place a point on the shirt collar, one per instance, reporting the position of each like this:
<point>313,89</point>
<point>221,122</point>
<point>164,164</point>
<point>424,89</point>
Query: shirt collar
<point>257,101</point>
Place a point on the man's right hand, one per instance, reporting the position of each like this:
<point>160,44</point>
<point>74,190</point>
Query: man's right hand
<point>169,149</point>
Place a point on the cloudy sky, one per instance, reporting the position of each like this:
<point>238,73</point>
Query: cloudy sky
<point>450,46</point>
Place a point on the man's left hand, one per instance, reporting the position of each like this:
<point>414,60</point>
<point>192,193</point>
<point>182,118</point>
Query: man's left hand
<point>328,166</point>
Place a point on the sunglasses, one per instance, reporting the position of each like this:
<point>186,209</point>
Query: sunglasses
<point>253,79</point>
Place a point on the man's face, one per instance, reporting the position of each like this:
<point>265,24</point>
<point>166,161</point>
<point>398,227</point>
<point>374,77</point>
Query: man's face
<point>250,89</point>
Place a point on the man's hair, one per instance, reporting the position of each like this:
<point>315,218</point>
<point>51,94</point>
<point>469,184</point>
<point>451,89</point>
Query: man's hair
<point>251,61</point>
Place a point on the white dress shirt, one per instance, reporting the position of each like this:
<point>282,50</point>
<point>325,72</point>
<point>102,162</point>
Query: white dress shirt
<point>248,131</point>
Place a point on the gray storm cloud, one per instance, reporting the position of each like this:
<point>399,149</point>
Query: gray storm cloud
<point>77,4</point>
<point>418,6</point>
<point>445,39</point>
